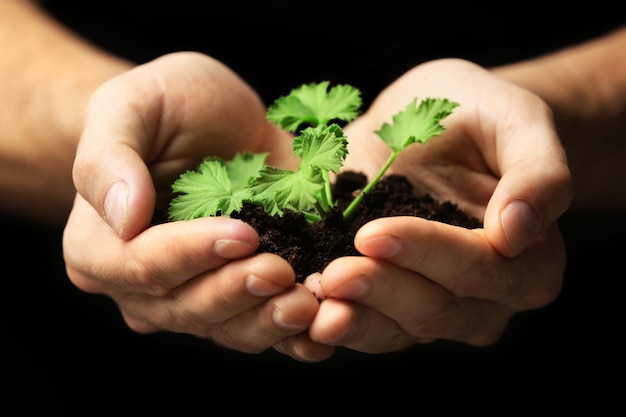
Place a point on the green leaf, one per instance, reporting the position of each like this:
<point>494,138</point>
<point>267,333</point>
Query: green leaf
<point>221,188</point>
<point>279,189</point>
<point>244,167</point>
<point>416,124</point>
<point>216,187</point>
<point>313,104</point>
<point>324,147</point>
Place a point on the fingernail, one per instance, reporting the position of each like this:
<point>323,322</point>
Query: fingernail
<point>288,323</point>
<point>382,246</point>
<point>116,206</point>
<point>313,283</point>
<point>520,224</point>
<point>260,287</point>
<point>353,289</point>
<point>232,248</point>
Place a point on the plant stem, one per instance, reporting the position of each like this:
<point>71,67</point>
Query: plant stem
<point>312,217</point>
<point>348,211</point>
<point>327,190</point>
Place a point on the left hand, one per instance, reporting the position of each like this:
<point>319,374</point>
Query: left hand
<point>501,160</point>
<point>199,277</point>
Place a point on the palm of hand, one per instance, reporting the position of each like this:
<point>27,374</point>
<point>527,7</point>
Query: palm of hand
<point>450,167</point>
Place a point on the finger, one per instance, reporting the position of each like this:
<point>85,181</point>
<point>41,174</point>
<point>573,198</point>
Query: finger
<point>390,308</point>
<point>223,303</point>
<point>157,260</point>
<point>358,327</point>
<point>151,123</point>
<point>288,313</point>
<point>535,187</point>
<point>231,319</point>
<point>464,263</point>
<point>361,328</point>
<point>302,348</point>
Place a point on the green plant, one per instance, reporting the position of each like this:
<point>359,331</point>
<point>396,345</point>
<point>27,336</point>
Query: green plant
<point>220,187</point>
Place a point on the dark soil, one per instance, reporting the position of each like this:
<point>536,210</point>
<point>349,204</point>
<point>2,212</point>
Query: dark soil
<point>309,247</point>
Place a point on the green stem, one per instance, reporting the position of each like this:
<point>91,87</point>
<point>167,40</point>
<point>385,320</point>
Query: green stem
<point>327,190</point>
<point>348,211</point>
<point>321,209</point>
<point>312,217</point>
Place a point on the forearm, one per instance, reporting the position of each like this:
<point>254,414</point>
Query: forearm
<point>586,87</point>
<point>46,77</point>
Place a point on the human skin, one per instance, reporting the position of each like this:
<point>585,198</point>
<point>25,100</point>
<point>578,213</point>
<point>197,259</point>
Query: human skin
<point>585,85</point>
<point>46,77</point>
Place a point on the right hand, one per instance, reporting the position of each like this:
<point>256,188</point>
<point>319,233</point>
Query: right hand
<point>201,277</point>
<point>501,160</point>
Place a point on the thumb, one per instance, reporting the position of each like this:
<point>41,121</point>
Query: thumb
<point>528,198</point>
<point>115,182</point>
<point>110,170</point>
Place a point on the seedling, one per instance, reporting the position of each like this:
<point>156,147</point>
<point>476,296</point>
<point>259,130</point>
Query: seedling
<point>220,187</point>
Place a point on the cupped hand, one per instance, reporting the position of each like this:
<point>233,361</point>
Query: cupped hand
<point>201,277</point>
<point>145,127</point>
<point>500,159</point>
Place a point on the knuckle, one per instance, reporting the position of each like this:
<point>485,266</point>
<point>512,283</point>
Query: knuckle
<point>144,278</point>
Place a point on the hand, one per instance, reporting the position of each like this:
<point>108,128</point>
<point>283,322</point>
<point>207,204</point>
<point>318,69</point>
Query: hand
<point>142,130</point>
<point>500,160</point>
